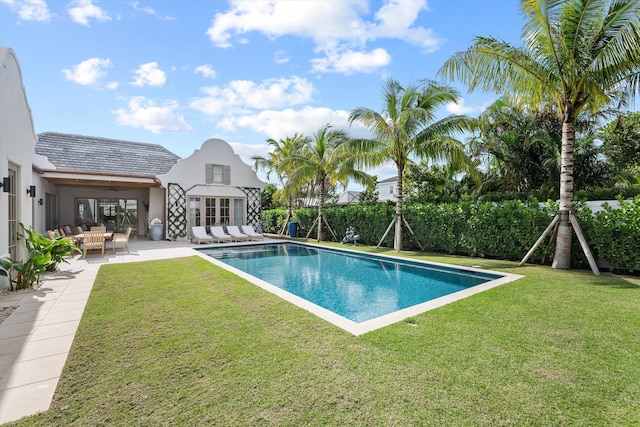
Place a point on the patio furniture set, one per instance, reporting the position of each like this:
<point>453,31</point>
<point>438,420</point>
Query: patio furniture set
<point>93,239</point>
<point>219,235</point>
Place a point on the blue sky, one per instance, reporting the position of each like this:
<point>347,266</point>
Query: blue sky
<point>177,72</point>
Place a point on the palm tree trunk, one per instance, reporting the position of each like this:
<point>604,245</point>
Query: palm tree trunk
<point>562,257</point>
<point>397,240</point>
<point>320,210</point>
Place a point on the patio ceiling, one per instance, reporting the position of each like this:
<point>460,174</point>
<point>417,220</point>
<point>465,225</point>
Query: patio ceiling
<point>80,179</point>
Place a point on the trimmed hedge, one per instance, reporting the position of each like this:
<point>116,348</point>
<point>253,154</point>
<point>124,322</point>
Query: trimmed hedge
<point>504,230</point>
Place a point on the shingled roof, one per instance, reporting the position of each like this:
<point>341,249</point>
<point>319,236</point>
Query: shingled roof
<point>79,153</point>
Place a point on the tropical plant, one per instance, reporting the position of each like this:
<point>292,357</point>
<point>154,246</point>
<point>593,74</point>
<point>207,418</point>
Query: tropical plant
<point>330,157</point>
<point>521,148</point>
<point>278,161</point>
<point>577,54</point>
<point>43,254</point>
<point>406,128</point>
<point>621,146</point>
<point>58,248</point>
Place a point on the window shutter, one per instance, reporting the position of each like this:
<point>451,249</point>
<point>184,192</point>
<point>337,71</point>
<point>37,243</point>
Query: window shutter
<point>226,175</point>
<point>208,177</point>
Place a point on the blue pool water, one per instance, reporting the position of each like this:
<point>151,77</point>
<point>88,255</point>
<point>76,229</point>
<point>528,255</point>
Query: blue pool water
<point>359,287</point>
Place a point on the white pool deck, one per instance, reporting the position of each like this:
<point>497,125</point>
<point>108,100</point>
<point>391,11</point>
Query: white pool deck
<point>35,340</point>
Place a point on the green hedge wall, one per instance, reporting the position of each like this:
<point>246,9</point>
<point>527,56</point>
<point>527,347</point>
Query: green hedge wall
<point>504,230</point>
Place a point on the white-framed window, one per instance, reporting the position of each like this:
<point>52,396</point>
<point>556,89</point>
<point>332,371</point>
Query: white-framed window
<point>391,189</point>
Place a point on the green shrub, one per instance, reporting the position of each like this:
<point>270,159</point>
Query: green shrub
<point>504,230</point>
<point>616,234</point>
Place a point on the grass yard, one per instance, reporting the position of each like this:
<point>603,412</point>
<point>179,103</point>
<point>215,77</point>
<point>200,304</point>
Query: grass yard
<point>182,342</point>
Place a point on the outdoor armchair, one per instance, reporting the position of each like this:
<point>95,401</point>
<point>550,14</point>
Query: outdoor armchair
<point>121,239</point>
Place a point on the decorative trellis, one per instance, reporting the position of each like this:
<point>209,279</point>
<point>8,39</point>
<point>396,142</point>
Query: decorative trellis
<point>176,211</point>
<point>253,205</point>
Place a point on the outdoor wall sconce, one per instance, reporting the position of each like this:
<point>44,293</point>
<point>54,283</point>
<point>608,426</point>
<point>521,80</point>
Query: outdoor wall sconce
<point>6,185</point>
<point>40,202</point>
<point>31,191</point>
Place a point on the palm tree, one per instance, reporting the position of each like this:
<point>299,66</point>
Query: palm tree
<point>328,158</point>
<point>279,161</point>
<point>579,54</point>
<point>406,127</point>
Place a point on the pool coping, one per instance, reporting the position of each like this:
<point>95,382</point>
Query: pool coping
<point>379,322</point>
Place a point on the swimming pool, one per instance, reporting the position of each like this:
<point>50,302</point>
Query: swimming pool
<point>364,291</point>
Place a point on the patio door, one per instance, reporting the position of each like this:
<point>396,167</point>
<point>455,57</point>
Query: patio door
<point>13,204</point>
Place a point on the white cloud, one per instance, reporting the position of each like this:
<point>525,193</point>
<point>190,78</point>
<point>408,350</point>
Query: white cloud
<point>83,10</point>
<point>246,151</point>
<point>281,57</point>
<point>283,123</point>
<point>144,9</point>
<point>135,5</point>
<point>460,108</point>
<point>88,72</point>
<point>113,85</point>
<point>351,61</point>
<point>245,95</point>
<point>149,75</point>
<point>207,71</point>
<point>146,114</point>
<point>339,29</point>
<point>30,10</point>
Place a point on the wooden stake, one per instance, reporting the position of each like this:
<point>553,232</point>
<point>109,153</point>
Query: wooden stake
<point>412,233</point>
<point>329,227</point>
<point>583,242</point>
<point>284,227</point>
<point>315,221</point>
<point>386,232</point>
<point>554,222</point>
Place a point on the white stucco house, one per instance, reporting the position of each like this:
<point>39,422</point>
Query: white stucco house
<point>387,189</point>
<point>17,143</point>
<point>85,180</point>
<point>54,179</point>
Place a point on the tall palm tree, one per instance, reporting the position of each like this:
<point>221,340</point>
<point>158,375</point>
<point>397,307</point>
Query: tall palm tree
<point>278,161</point>
<point>406,128</point>
<point>328,158</point>
<point>577,54</point>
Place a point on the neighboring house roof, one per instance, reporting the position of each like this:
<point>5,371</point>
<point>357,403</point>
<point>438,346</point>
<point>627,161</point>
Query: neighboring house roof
<point>392,179</point>
<point>348,197</point>
<point>91,154</point>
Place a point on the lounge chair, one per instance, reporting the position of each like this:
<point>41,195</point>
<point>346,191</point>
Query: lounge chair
<point>99,228</point>
<point>236,234</point>
<point>199,234</point>
<point>251,232</point>
<point>121,239</point>
<point>93,240</point>
<point>219,235</point>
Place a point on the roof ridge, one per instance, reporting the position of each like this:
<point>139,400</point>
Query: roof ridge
<point>101,138</point>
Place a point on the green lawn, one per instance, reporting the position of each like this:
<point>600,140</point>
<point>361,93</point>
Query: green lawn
<point>182,342</point>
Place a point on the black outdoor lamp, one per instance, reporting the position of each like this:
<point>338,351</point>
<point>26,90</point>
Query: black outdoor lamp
<point>31,191</point>
<point>6,185</point>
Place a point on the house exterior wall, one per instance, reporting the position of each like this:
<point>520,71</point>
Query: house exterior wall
<point>187,179</point>
<point>17,145</point>
<point>386,191</point>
